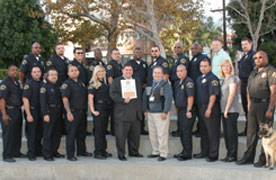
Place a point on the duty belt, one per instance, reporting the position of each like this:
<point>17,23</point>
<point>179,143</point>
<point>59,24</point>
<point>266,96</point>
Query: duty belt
<point>259,100</point>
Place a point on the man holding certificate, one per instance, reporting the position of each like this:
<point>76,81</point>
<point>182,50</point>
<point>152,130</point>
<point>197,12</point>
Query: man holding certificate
<point>126,94</point>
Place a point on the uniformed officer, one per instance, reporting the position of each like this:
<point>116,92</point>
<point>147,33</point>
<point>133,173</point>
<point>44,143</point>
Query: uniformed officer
<point>127,115</point>
<point>158,60</point>
<point>261,105</point>
<point>184,99</point>
<point>91,63</point>
<point>50,102</point>
<point>114,70</point>
<point>11,117</point>
<point>29,61</point>
<point>245,66</point>
<point>74,96</point>
<point>140,69</point>
<point>208,93</point>
<point>100,105</point>
<point>34,124</point>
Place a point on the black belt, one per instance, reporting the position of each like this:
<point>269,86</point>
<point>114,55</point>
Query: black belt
<point>259,100</point>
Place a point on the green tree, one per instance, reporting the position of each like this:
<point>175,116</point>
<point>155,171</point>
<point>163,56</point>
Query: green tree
<point>23,22</point>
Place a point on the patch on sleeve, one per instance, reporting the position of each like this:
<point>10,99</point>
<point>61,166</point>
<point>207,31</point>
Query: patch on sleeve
<point>190,85</point>
<point>215,83</point>
<point>49,63</point>
<point>183,61</point>
<point>165,64</point>
<point>24,62</point>
<point>3,87</point>
<point>109,67</point>
<point>64,86</point>
<point>42,90</point>
<point>26,87</point>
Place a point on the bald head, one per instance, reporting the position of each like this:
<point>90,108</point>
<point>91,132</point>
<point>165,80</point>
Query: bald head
<point>181,72</point>
<point>36,48</point>
<point>196,49</point>
<point>260,59</point>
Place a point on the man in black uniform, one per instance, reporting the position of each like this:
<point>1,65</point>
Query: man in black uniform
<point>208,101</point>
<point>245,66</point>
<point>184,99</point>
<point>140,69</point>
<point>74,96</point>
<point>29,61</point>
<point>158,60</point>
<point>34,124</point>
<point>180,58</point>
<point>194,73</point>
<point>91,63</point>
<point>127,115</point>
<point>51,106</point>
<point>261,105</point>
<point>114,70</point>
<point>11,115</point>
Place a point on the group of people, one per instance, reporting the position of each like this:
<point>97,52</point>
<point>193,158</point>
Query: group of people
<point>58,93</point>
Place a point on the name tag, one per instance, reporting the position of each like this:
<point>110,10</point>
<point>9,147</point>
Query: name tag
<point>151,98</point>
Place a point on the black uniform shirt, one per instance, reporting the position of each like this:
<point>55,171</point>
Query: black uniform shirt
<point>31,92</point>
<point>246,65</point>
<point>207,86</point>
<point>102,100</point>
<point>160,61</point>
<point>182,90</point>
<point>114,69</point>
<point>194,70</point>
<point>76,93</point>
<point>182,59</point>
<point>29,62</point>
<point>140,69</point>
<point>259,82</point>
<point>50,97</point>
<point>11,92</point>
<point>83,77</point>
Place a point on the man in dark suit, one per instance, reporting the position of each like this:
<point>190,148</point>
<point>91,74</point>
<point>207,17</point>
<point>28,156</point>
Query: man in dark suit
<point>127,115</point>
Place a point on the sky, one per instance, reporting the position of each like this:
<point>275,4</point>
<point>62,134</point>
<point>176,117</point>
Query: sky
<point>214,4</point>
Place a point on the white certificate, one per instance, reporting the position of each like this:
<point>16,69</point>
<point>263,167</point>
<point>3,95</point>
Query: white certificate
<point>128,88</point>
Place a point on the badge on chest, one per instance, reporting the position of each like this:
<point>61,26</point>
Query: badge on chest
<point>151,98</point>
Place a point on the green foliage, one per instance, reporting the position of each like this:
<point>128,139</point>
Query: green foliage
<point>269,47</point>
<point>23,22</point>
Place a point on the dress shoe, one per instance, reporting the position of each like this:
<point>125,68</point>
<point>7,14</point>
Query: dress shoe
<point>106,154</point>
<point>99,156</point>
<point>9,160</point>
<point>72,158</point>
<point>178,155</point>
<point>138,155</point>
<point>259,164</point>
<point>196,133</point>
<point>242,133</point>
<point>122,158</point>
<point>161,158</point>
<point>88,133</point>
<point>85,154</point>
<point>209,159</point>
<point>175,134</point>
<point>144,132</point>
<point>244,161</point>
<point>184,158</point>
<point>21,155</point>
<point>58,155</point>
<point>48,159</point>
<point>199,156</point>
<point>153,156</point>
<point>32,158</point>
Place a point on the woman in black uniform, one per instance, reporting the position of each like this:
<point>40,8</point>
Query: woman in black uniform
<point>100,105</point>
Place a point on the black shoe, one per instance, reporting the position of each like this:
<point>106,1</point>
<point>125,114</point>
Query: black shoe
<point>209,159</point>
<point>21,155</point>
<point>72,158</point>
<point>107,132</point>
<point>9,160</point>
<point>85,154</point>
<point>32,158</point>
<point>244,161</point>
<point>58,155</point>
<point>242,133</point>
<point>153,156</point>
<point>106,154</point>
<point>178,155</point>
<point>259,164</point>
<point>196,133</point>
<point>161,158</point>
<point>88,133</point>
<point>48,159</point>
<point>229,159</point>
<point>184,158</point>
<point>199,156</point>
<point>175,134</point>
<point>138,155</point>
<point>99,156</point>
<point>122,158</point>
<point>144,132</point>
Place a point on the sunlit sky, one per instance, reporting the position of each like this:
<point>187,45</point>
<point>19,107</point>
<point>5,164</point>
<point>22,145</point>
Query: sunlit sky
<point>214,4</point>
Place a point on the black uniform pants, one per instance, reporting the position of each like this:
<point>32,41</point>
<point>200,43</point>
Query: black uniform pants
<point>243,91</point>
<point>34,132</point>
<point>100,123</point>
<point>76,133</point>
<point>185,130</point>
<point>52,133</point>
<point>130,131</point>
<point>256,115</point>
<point>210,131</point>
<point>230,131</point>
<point>11,133</point>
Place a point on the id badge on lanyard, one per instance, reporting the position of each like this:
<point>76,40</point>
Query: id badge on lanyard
<point>152,98</point>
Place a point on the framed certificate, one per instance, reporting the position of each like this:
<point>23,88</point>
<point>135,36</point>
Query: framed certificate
<point>128,88</point>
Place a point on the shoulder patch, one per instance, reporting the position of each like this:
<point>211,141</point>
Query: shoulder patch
<point>91,68</point>
<point>190,85</point>
<point>165,64</point>
<point>3,87</point>
<point>64,86</point>
<point>215,83</point>
<point>183,61</point>
<point>26,86</point>
<point>109,67</point>
<point>42,90</point>
<point>144,65</point>
<point>24,62</point>
<point>49,63</point>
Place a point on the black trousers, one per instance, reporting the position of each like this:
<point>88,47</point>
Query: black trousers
<point>243,91</point>
<point>255,116</point>
<point>52,133</point>
<point>210,131</point>
<point>34,132</point>
<point>185,130</point>
<point>130,131</point>
<point>76,133</point>
<point>230,131</point>
<point>100,122</point>
<point>12,133</point>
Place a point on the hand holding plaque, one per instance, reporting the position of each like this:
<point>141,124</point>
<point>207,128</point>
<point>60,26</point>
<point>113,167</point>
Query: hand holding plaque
<point>128,89</point>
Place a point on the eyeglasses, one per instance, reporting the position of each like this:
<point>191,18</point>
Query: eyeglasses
<point>258,57</point>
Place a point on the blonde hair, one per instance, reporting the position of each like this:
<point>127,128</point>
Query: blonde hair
<point>222,64</point>
<point>94,81</point>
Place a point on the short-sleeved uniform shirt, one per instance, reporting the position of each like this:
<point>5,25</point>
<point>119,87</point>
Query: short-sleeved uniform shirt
<point>140,69</point>
<point>114,69</point>
<point>102,100</point>
<point>31,92</point>
<point>11,92</point>
<point>29,62</point>
<point>194,70</point>
<point>182,90</point>
<point>182,59</point>
<point>83,76</point>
